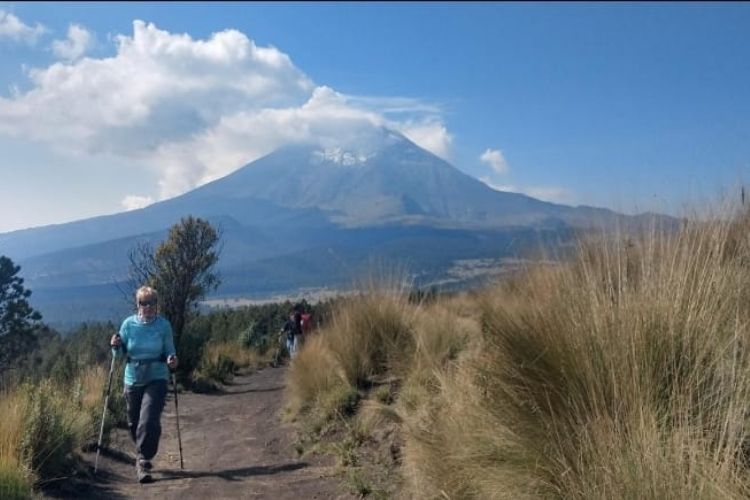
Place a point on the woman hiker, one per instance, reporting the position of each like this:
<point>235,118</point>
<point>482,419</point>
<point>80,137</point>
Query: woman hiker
<point>145,339</point>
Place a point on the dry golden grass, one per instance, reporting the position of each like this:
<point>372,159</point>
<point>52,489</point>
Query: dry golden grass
<point>313,374</point>
<point>439,336</point>
<point>12,411</point>
<point>241,357</point>
<point>623,374</point>
<point>91,384</point>
<point>14,480</point>
<point>370,334</point>
<point>221,360</point>
<point>41,427</point>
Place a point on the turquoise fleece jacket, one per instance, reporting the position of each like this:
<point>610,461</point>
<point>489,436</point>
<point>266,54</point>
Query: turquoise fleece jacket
<point>145,341</point>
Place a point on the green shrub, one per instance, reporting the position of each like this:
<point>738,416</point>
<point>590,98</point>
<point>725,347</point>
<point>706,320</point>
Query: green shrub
<point>220,368</point>
<point>49,435</point>
<point>255,337</point>
<point>190,352</point>
<point>339,400</point>
<point>14,483</point>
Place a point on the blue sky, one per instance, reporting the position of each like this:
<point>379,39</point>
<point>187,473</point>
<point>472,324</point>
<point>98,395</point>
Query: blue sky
<point>632,106</point>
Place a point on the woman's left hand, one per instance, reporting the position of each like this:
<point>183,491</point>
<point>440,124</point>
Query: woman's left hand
<point>172,362</point>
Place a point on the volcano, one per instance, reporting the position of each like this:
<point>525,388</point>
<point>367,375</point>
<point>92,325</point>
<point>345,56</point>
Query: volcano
<point>306,216</point>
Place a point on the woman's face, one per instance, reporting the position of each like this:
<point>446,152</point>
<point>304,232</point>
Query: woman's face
<point>147,306</point>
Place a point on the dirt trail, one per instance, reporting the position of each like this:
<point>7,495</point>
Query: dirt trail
<point>234,446</point>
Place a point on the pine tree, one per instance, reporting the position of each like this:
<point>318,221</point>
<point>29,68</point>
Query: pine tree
<point>181,269</point>
<point>18,319</point>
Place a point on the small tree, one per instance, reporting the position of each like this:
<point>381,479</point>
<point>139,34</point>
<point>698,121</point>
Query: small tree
<point>18,319</point>
<point>181,269</point>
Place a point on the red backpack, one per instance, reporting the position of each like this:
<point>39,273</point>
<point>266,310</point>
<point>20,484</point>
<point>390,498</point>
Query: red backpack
<point>306,323</point>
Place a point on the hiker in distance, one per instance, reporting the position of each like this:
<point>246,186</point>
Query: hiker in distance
<point>293,330</point>
<point>145,339</point>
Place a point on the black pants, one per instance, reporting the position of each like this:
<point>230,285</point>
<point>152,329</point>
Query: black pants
<point>145,404</point>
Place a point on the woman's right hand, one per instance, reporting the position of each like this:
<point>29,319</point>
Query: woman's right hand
<point>115,341</point>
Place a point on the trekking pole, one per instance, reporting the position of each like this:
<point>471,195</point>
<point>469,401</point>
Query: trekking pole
<point>177,414</point>
<point>104,413</point>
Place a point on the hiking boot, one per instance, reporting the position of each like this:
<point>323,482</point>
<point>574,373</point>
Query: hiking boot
<point>142,474</point>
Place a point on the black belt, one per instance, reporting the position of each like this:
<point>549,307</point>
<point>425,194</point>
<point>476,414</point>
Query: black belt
<point>161,359</point>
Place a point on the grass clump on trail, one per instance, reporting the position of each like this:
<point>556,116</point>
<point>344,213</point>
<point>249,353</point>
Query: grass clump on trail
<point>366,340</point>
<point>42,427</point>
<point>368,335</point>
<point>342,385</point>
<point>622,372</point>
<point>221,361</point>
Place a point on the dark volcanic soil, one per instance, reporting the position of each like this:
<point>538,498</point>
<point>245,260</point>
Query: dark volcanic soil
<point>234,446</point>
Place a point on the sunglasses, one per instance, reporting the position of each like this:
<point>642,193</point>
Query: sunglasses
<point>144,303</point>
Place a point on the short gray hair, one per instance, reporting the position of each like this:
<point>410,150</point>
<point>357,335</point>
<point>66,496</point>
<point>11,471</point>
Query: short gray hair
<point>146,292</point>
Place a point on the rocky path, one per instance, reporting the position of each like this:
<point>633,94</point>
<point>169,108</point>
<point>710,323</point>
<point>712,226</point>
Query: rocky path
<point>234,446</point>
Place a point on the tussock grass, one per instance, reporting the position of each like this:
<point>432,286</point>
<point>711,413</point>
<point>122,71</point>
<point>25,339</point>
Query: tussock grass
<point>43,425</point>
<point>90,386</point>
<point>369,335</point>
<point>441,334</point>
<point>84,405</point>
<point>621,374</point>
<point>50,432</point>
<point>368,339</point>
<point>14,479</point>
<point>315,382</point>
<point>366,334</point>
<point>14,483</point>
<point>621,371</point>
<point>375,341</point>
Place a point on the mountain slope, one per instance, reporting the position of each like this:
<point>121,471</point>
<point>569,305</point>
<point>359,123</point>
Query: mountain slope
<point>308,216</point>
<point>397,183</point>
<point>306,186</point>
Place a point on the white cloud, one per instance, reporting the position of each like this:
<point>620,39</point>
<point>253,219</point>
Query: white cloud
<point>325,119</point>
<point>395,105</point>
<point>78,42</point>
<point>15,29</point>
<point>495,159</point>
<point>195,110</point>
<point>552,194</point>
<point>133,202</point>
<point>427,131</point>
<point>430,135</point>
<point>158,88</point>
<point>499,187</point>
